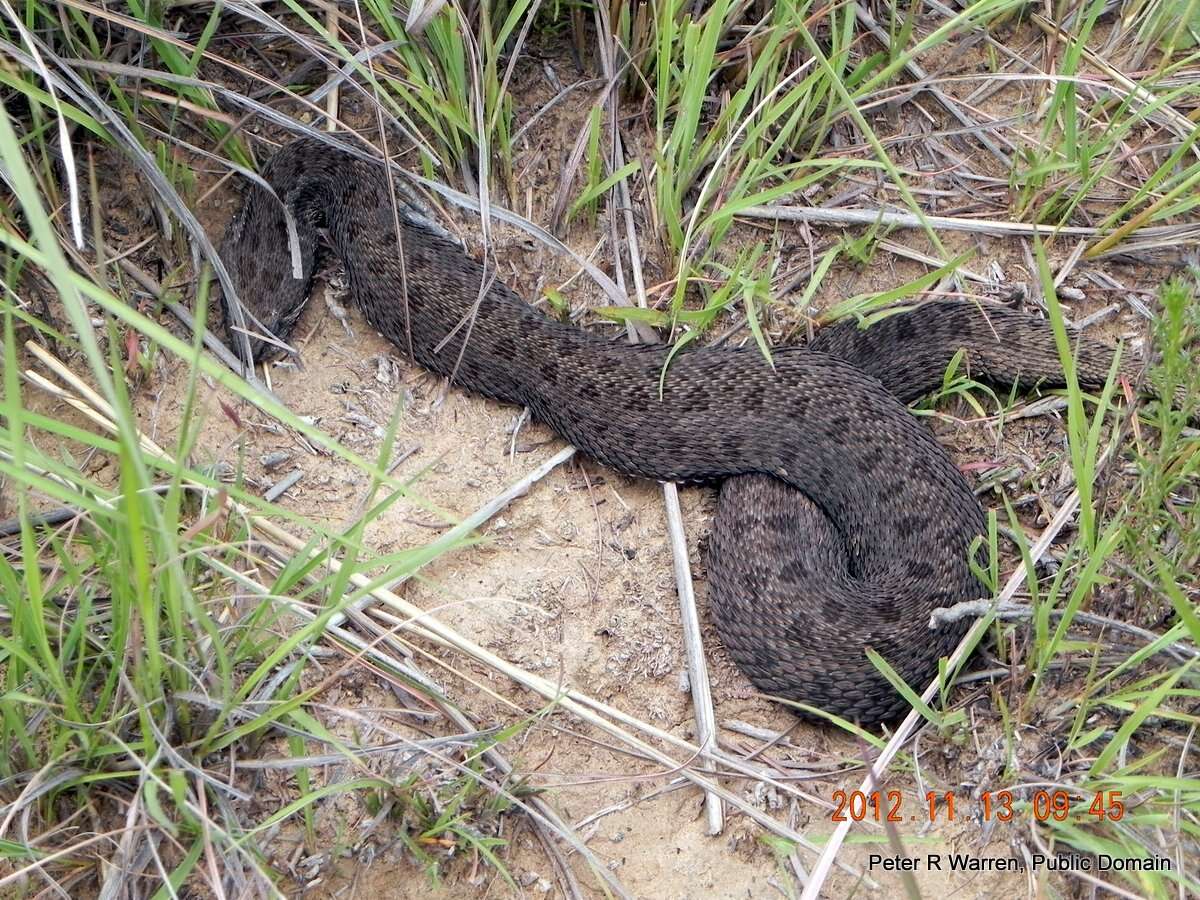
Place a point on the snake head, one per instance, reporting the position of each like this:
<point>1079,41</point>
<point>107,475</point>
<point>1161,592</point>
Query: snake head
<point>269,252</point>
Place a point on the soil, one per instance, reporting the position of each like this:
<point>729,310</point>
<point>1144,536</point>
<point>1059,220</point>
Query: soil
<point>575,582</point>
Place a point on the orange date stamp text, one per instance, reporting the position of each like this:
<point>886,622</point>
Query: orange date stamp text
<point>1000,806</point>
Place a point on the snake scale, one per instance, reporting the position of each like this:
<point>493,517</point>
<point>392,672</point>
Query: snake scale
<point>841,523</point>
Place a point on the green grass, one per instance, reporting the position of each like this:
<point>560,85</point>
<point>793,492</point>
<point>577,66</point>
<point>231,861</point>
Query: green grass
<point>163,632</point>
<point>115,621</point>
<point>1110,713</point>
<point>1081,147</point>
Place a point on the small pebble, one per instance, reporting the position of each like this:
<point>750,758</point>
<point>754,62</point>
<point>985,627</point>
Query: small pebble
<point>274,459</point>
<point>384,371</point>
<point>276,490</point>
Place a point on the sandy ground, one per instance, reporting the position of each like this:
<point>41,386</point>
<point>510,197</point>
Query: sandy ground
<point>575,581</point>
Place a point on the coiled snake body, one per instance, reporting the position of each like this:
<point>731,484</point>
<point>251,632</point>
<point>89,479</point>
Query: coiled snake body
<point>841,522</point>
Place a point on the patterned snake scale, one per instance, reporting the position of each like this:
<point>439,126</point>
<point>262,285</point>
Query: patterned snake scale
<point>841,522</point>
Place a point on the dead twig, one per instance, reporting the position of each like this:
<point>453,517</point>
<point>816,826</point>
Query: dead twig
<point>1178,650</point>
<point>697,664</point>
<point>997,227</point>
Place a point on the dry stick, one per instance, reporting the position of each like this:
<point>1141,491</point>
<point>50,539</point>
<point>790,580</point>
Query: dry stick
<point>932,261</point>
<point>948,223</point>
<point>427,627</point>
<point>279,488</point>
<point>148,447</point>
<point>879,767</point>
<point>473,521</point>
<point>332,99</point>
<point>697,663</point>
<point>1180,650</point>
<point>706,719</point>
<point>940,96</point>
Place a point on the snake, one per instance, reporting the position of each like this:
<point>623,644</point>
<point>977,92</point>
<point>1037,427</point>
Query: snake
<point>841,523</point>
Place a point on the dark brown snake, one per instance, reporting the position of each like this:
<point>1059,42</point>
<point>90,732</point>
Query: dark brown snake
<point>841,522</point>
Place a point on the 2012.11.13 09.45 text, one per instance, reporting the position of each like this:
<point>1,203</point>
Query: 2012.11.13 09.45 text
<point>1002,806</point>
